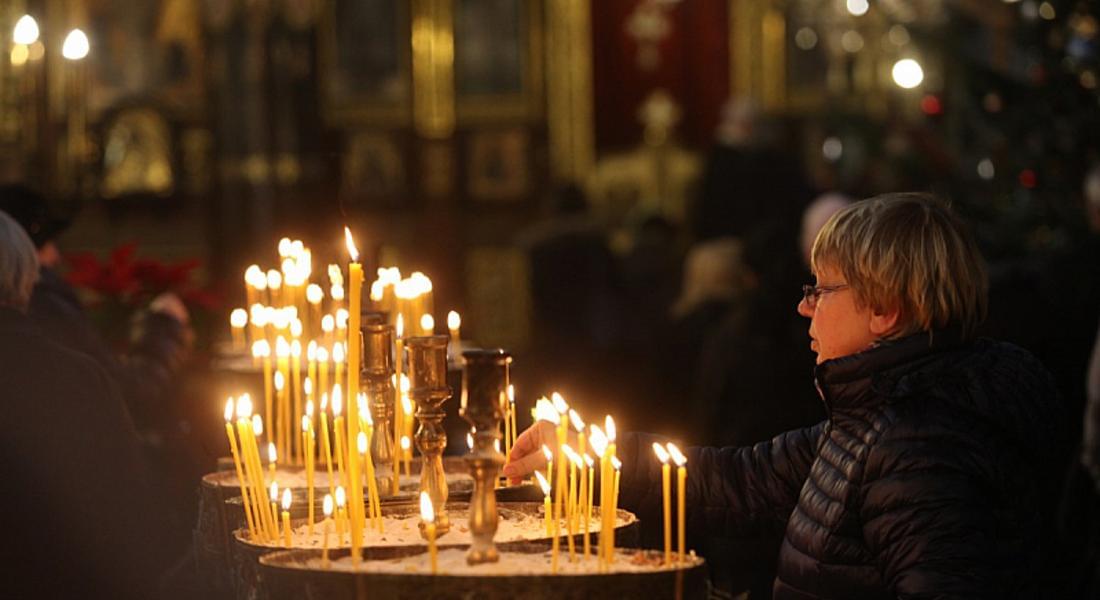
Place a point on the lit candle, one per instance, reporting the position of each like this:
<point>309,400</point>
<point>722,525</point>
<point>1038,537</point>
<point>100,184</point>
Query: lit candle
<point>338,356</point>
<point>250,287</point>
<point>296,375</point>
<point>355,293</point>
<point>286,517</point>
<point>427,324</point>
<point>311,358</point>
<point>261,349</point>
<point>314,296</point>
<point>399,365</point>
<point>272,459</point>
<point>547,509</point>
<point>582,449</point>
<point>341,501</point>
<point>237,464</point>
<point>571,498</point>
<point>617,465</point>
<point>561,484</point>
<point>588,503</point>
<point>280,410</point>
<point>257,320</point>
<point>255,427</point>
<point>238,319</point>
<point>326,447</point>
<point>609,515</point>
<point>681,496</point>
<point>549,461</point>
<point>307,442</point>
<point>274,284</point>
<point>327,508</point>
<point>328,326</point>
<point>282,373</point>
<point>322,364</point>
<point>338,430</point>
<point>406,449</point>
<point>454,323</point>
<point>470,441</point>
<point>666,493</point>
<point>274,508</point>
<point>427,514</point>
<point>372,485</point>
<point>512,415</point>
<point>599,446</point>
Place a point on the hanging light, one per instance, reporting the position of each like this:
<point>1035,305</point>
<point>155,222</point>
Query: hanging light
<point>76,45</point>
<point>26,31</point>
<point>857,7</point>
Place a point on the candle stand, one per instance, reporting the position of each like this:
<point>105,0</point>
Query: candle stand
<point>378,384</point>
<point>429,390</point>
<point>484,390</point>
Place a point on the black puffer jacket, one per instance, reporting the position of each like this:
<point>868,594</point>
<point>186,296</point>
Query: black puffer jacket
<point>930,478</point>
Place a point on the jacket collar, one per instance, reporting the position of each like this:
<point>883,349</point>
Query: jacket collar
<point>845,381</point>
<point>15,322</point>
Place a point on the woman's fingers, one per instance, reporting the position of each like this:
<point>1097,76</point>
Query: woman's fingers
<point>526,455</point>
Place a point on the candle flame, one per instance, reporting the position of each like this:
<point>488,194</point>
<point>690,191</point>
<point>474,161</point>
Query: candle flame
<point>427,323</point>
<point>560,404</point>
<point>352,250</point>
<point>400,326</point>
<point>258,424</point>
<point>250,275</point>
<point>454,321</point>
<point>615,462</point>
<point>257,315</point>
<point>296,331</point>
<point>545,485</point>
<point>496,445</point>
<point>677,456</point>
<point>328,323</point>
<point>575,418</point>
<point>286,499</point>
<point>571,454</point>
<point>282,348</point>
<point>406,384</point>
<point>342,318</point>
<point>341,496</point>
<point>427,512</point>
<point>337,400</point>
<point>244,407</point>
<point>238,318</point>
<point>609,427</point>
<point>598,440</point>
<point>284,247</point>
<point>470,441</point>
<point>406,404</point>
<point>289,268</point>
<point>295,345</point>
<point>311,351</point>
<point>272,454</point>
<point>377,290</point>
<point>280,381</point>
<point>305,423</point>
<point>337,292</point>
<point>326,505</point>
<point>544,411</point>
<point>314,294</point>
<point>261,349</point>
<point>309,407</point>
<point>274,279</point>
<point>512,395</point>
<point>307,386</point>
<point>324,401</point>
<point>229,409</point>
<point>322,354</point>
<point>274,491</point>
<point>361,442</point>
<point>361,403</point>
<point>588,461</point>
<point>405,443</point>
<point>547,453</point>
<point>662,455</point>
<point>338,352</point>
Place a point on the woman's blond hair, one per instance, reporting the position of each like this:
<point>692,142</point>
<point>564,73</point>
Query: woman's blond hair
<point>907,252</point>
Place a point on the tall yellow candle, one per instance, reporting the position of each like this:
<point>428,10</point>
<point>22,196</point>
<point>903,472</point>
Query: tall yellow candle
<point>326,447</point>
<point>274,287</point>
<point>314,295</point>
<point>571,498</point>
<point>599,446</point>
<point>427,514</point>
<point>666,478</point>
<point>328,326</point>
<point>307,443</point>
<point>296,388</point>
<point>311,358</point>
<point>589,463</point>
<point>355,293</point>
<point>454,323</point>
<point>549,461</point>
<point>240,472</point>
<point>286,517</point>
<point>681,497</point>
<point>617,466</point>
<point>341,501</point>
<point>274,508</point>
<point>322,364</point>
<point>262,350</point>
<point>338,430</point>
<point>609,515</point>
<point>512,414</point>
<point>372,486</point>
<point>327,508</point>
<point>238,319</point>
<point>251,458</point>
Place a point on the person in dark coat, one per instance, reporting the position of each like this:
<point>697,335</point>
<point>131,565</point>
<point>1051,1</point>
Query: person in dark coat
<point>931,476</point>
<point>79,517</point>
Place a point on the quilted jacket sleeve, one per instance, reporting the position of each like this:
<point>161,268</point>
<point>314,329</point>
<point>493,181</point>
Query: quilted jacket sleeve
<point>732,492</point>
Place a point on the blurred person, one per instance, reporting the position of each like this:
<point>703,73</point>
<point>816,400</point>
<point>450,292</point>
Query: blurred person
<point>932,474</point>
<point>814,218</point>
<point>80,517</point>
<point>146,374</point>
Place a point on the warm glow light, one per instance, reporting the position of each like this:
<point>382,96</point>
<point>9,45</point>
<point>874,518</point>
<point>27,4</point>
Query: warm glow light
<point>274,491</point>
<point>598,440</point>
<point>244,407</point>
<point>571,454</point>
<point>547,453</point>
<point>272,454</point>
<point>496,445</point>
<point>309,406</point>
<point>238,318</point>
<point>337,292</point>
<point>284,247</point>
<point>26,31</point>
<point>261,349</point>
<point>400,326</point>
<point>352,250</point>
<point>470,441</point>
<point>280,381</point>
<point>324,401</point>
<point>311,351</point>
<point>75,46</point>
<point>427,323</point>
<point>405,443</point>
<point>361,442</point>
<point>857,7</point>
<point>295,345</point>
<point>341,496</point>
<point>406,385</point>
<point>427,512</point>
<point>229,409</point>
<point>545,485</point>
<point>274,279</point>
<point>338,352</point>
<point>609,428</point>
<point>314,294</point>
<point>286,499</point>
<point>328,323</point>
<point>662,454</point>
<point>575,418</point>
<point>406,403</point>
<point>341,318</point>
<point>677,456</point>
<point>560,404</point>
<point>326,505</point>
<point>615,462</point>
<point>511,394</point>
<point>364,410</point>
<point>257,314</point>
<point>453,320</point>
<point>588,461</point>
<point>544,411</point>
<point>258,425</point>
<point>377,290</point>
<point>322,354</point>
<point>305,423</point>
<point>337,400</point>
<point>908,73</point>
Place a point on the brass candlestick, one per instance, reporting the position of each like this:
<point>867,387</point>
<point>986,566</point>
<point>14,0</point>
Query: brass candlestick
<point>428,389</point>
<point>378,384</point>
<point>484,392</point>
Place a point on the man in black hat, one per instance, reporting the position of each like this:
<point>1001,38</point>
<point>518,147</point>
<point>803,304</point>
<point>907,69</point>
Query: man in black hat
<point>146,373</point>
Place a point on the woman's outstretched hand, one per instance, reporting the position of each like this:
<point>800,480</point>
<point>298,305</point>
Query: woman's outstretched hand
<point>526,455</point>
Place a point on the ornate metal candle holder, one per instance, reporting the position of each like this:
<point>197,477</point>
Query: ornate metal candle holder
<point>428,389</point>
<point>378,384</point>
<point>484,392</point>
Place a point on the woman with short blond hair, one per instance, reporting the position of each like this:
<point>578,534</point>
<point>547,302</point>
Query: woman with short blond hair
<point>930,477</point>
